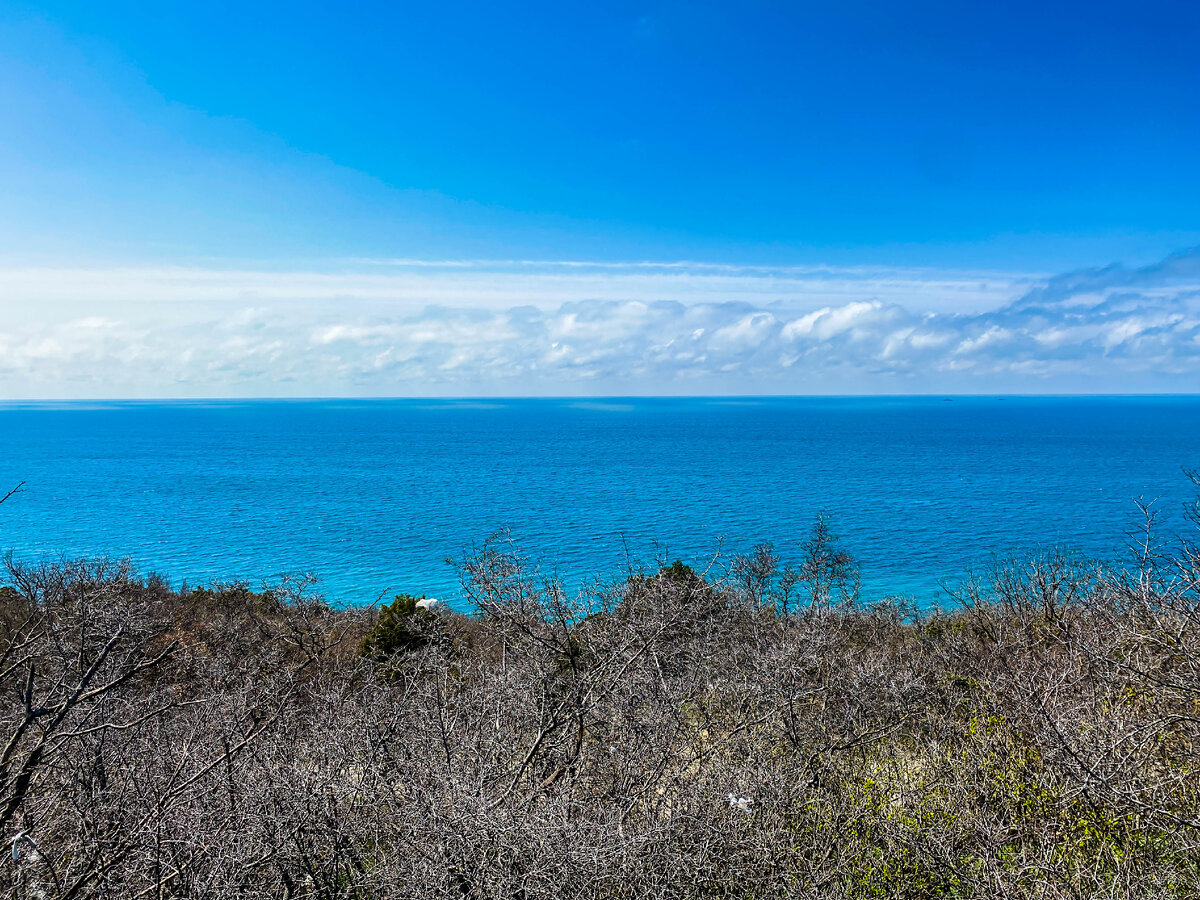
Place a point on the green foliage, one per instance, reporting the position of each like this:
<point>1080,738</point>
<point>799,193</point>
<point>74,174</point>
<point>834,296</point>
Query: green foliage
<point>680,573</point>
<point>400,628</point>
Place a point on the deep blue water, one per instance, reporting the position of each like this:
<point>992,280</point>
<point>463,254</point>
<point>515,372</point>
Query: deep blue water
<point>373,496</point>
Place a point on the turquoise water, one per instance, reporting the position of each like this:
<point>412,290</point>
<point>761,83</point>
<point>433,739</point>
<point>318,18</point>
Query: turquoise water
<point>374,496</point>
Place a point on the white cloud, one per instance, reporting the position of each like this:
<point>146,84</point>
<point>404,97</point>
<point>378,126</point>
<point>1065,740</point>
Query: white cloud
<point>497,284</point>
<point>1110,329</point>
<point>856,318</point>
<point>744,335</point>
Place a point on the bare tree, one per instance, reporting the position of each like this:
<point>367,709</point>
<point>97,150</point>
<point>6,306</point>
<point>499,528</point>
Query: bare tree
<point>669,733</point>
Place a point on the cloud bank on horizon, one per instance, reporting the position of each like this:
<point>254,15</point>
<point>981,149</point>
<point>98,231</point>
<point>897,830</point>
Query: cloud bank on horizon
<point>474,329</point>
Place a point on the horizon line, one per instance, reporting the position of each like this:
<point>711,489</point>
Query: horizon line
<point>601,397</point>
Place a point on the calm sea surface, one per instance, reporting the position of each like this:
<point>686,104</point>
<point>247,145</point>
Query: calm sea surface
<point>374,496</point>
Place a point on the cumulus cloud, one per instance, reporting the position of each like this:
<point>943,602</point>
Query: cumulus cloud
<point>1109,329</point>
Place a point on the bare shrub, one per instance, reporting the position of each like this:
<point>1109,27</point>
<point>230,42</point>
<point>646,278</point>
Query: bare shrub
<point>749,731</point>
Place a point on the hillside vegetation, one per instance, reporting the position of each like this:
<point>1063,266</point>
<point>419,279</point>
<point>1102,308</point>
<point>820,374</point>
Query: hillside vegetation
<point>751,732</point>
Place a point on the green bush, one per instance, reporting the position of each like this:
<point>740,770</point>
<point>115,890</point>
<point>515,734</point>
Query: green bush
<point>400,628</point>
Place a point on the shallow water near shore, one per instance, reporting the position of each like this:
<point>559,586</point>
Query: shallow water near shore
<point>373,496</point>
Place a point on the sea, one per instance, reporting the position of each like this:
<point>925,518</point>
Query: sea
<point>375,497</point>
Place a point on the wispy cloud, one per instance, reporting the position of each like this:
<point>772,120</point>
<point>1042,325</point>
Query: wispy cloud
<point>406,328</point>
<point>409,284</point>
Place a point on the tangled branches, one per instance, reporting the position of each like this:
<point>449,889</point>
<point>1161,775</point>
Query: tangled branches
<point>754,732</point>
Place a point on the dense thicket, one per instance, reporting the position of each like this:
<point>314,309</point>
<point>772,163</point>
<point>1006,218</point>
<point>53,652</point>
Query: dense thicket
<point>756,732</point>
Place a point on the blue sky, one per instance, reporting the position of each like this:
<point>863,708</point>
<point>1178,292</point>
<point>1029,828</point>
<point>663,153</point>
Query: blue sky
<point>393,169</point>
